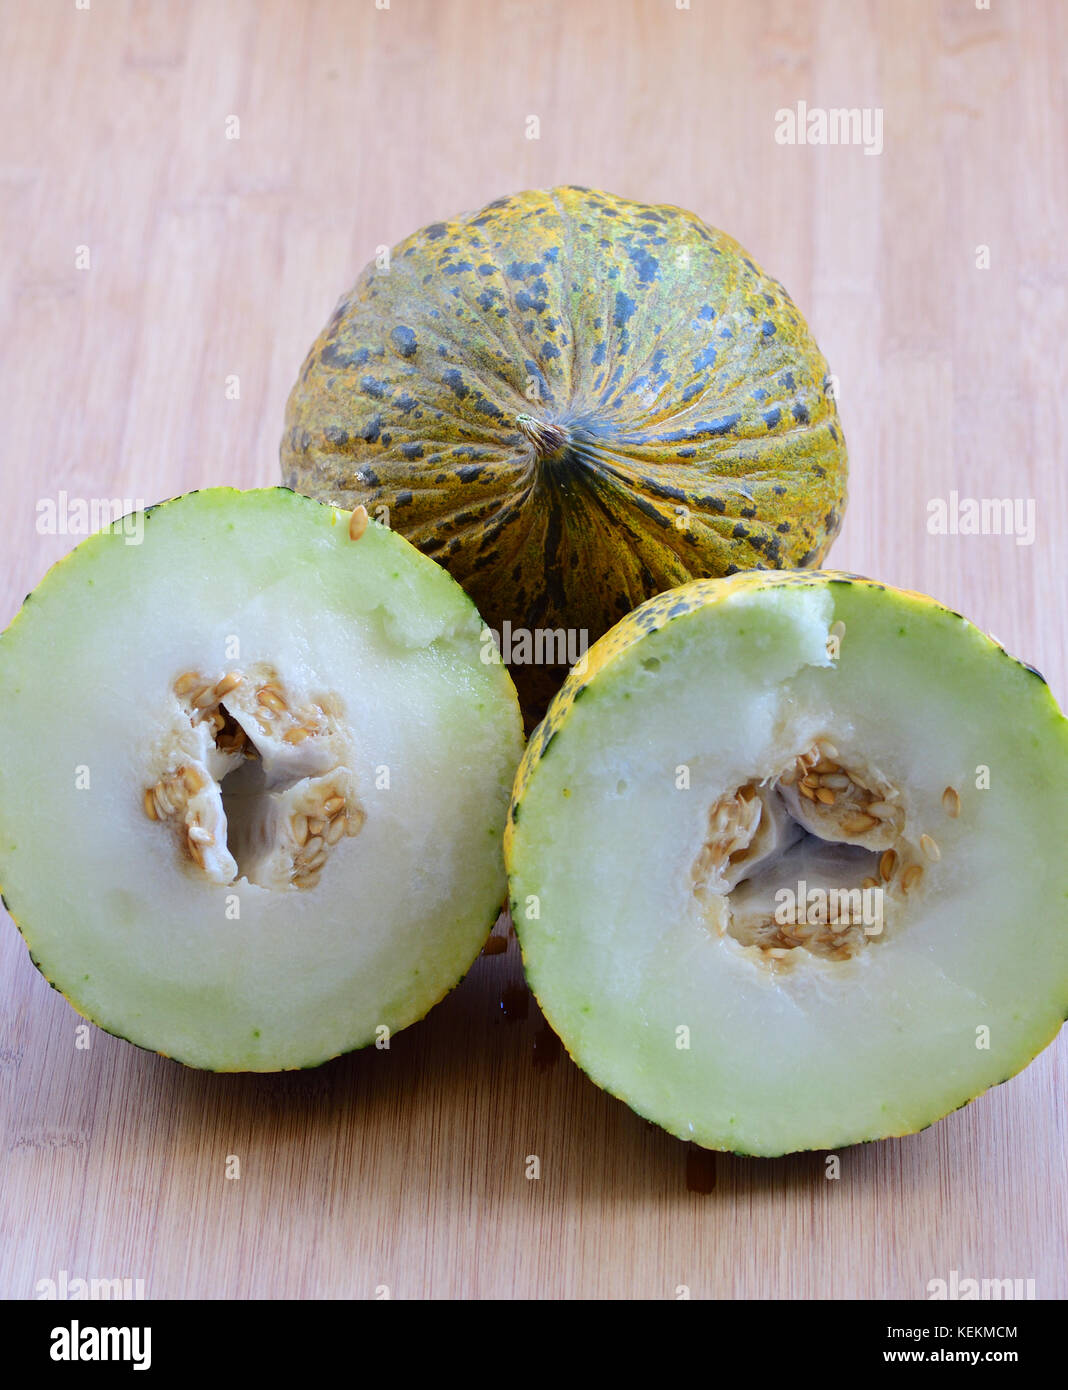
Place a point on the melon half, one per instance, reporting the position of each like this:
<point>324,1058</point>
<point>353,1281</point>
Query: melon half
<point>254,774</point>
<point>787,862</point>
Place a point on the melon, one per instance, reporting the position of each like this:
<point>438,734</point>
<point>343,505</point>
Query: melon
<point>573,401</point>
<point>787,862</point>
<point>253,780</point>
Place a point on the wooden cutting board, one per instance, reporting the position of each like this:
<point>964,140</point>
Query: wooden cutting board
<point>210,262</point>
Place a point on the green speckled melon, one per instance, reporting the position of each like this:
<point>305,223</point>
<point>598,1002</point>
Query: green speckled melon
<point>573,402</point>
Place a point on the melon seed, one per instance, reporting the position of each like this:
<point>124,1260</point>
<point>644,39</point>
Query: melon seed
<point>358,523</point>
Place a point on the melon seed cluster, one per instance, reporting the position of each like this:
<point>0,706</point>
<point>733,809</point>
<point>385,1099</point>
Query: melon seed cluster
<point>247,715</point>
<point>836,803</point>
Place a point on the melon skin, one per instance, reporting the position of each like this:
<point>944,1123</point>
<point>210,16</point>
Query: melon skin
<point>573,401</point>
<point>988,949</point>
<point>134,941</point>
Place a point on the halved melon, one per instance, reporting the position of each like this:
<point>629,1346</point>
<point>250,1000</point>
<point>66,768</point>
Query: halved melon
<point>787,862</point>
<point>253,780</point>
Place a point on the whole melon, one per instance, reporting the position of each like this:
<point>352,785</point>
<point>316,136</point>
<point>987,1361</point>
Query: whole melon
<point>573,402</point>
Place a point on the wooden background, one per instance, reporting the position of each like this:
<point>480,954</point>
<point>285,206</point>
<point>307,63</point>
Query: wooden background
<point>212,258</point>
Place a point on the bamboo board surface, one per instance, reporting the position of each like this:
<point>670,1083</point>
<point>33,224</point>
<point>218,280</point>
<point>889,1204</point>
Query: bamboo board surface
<point>213,258</point>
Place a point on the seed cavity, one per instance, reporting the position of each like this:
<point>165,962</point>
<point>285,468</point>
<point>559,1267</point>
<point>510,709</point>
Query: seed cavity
<point>828,818</point>
<point>277,826</point>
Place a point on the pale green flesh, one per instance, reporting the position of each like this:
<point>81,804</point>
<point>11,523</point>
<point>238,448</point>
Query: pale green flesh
<point>126,928</point>
<point>819,1054</point>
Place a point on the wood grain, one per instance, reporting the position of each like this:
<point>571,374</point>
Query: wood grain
<point>212,258</point>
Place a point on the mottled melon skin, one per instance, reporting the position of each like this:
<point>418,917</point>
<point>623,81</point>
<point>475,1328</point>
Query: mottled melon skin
<point>703,437</point>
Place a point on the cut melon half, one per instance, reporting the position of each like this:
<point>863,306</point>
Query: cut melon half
<point>787,862</point>
<point>253,780</point>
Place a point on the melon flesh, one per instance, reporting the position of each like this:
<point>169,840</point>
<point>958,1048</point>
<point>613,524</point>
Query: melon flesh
<point>152,847</point>
<point>659,814</point>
